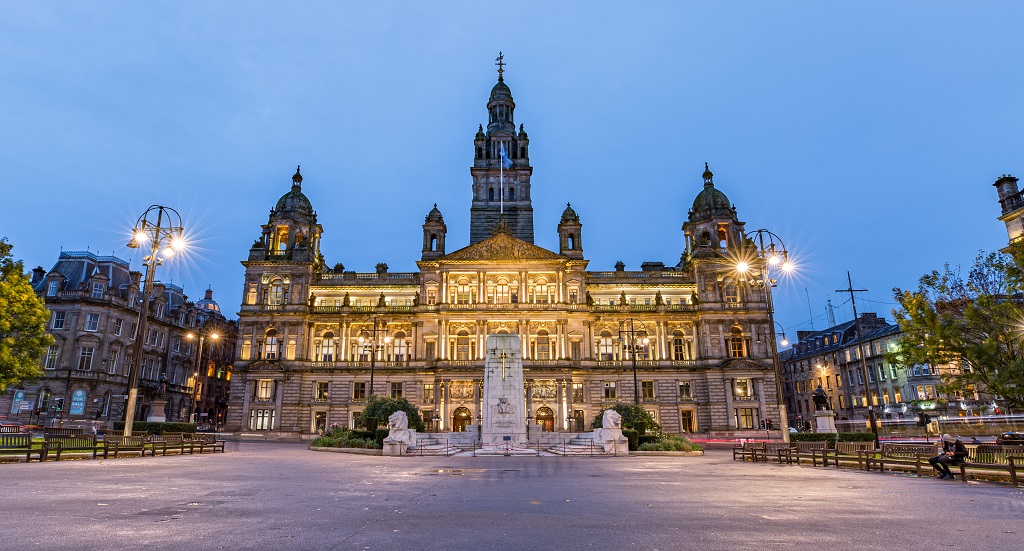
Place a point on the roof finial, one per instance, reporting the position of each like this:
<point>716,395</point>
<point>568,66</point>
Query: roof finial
<point>707,175</point>
<point>501,65</point>
<point>297,177</point>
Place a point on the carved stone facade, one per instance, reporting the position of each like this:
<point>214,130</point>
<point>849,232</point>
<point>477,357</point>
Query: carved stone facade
<point>703,358</point>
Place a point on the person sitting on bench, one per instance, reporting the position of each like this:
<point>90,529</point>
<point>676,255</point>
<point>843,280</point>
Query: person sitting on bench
<point>953,453</point>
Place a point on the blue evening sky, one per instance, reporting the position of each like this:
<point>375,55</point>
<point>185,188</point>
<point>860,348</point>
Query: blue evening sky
<point>866,134</point>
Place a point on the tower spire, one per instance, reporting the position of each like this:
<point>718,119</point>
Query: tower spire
<point>501,66</point>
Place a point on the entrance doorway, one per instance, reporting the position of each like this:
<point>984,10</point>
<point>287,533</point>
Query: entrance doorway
<point>546,419</point>
<point>461,419</point>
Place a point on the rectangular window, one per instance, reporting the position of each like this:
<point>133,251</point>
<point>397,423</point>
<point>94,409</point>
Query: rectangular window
<point>647,390</point>
<point>881,371</point>
<point>736,347</point>
<point>871,374</point>
<point>52,356</point>
<point>261,419</point>
<point>575,350</point>
<point>429,350</point>
<point>118,324</point>
<point>898,394</point>
<point>860,377</point>
<point>685,391</point>
<point>92,322</point>
<point>97,290</point>
<point>892,371</point>
<point>135,330</point>
<point>58,320</point>
<point>320,391</point>
<point>358,392</point>
<point>319,421</point>
<point>428,393</point>
<point>842,402</point>
<point>687,423</point>
<point>747,418</point>
<point>51,288</point>
<point>742,388</point>
<point>839,381</point>
<point>577,392</point>
<point>609,390</point>
<point>264,390</point>
<point>246,349</point>
<point>396,390</point>
<point>85,358</point>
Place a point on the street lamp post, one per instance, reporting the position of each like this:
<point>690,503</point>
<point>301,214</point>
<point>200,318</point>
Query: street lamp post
<point>164,237</point>
<point>636,338</point>
<point>770,256</point>
<point>195,374</point>
<point>374,344</point>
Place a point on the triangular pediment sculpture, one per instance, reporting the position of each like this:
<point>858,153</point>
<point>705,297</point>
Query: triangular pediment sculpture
<point>502,246</point>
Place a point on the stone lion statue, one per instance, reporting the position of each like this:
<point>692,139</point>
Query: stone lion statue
<point>611,419</point>
<point>398,428</point>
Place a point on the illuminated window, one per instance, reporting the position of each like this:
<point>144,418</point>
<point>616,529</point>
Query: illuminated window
<point>747,418</point>
<point>543,351</point>
<point>647,390</point>
<point>320,391</point>
<point>605,346</point>
<point>737,348</point>
<point>264,390</point>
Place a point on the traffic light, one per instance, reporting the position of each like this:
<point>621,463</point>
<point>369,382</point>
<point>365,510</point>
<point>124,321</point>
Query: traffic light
<point>923,419</point>
<point>59,404</point>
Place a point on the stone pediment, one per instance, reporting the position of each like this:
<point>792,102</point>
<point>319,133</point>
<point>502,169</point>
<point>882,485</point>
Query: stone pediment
<point>501,246</point>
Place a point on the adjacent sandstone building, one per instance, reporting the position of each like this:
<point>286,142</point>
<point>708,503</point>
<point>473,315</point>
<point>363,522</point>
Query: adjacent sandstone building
<point>312,337</point>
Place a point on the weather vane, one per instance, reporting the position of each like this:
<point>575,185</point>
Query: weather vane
<point>501,64</point>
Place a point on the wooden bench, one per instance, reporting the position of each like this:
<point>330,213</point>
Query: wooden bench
<point>773,451</point>
<point>173,441</point>
<point>844,451</point>
<point>900,456</point>
<point>10,429</point>
<point>204,442</point>
<point>747,450</point>
<point>80,443</point>
<point>988,458</point>
<point>803,450</point>
<point>62,431</point>
<point>125,444</point>
<point>17,444</point>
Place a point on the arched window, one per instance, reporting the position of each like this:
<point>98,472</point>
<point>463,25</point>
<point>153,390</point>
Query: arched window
<point>282,239</point>
<point>680,346</point>
<point>461,418</point>
<point>737,344</point>
<point>542,292</point>
<point>570,242</point>
<point>605,346</point>
<point>400,348</point>
<point>463,293</point>
<point>433,242</point>
<point>463,346</point>
<point>490,194</point>
<point>501,295</point>
<point>326,347</point>
<point>546,419</point>
<point>277,293</point>
<point>511,193</point>
<point>479,152</point>
<point>543,349</point>
<point>271,350</point>
<point>723,238</point>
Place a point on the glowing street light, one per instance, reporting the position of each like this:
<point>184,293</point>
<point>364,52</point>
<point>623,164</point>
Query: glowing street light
<point>158,227</point>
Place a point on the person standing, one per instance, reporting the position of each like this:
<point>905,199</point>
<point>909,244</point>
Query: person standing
<point>953,453</point>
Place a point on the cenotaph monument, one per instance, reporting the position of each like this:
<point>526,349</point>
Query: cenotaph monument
<point>504,398</point>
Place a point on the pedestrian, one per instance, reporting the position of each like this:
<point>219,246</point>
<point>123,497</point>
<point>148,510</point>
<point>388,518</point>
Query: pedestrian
<point>953,453</point>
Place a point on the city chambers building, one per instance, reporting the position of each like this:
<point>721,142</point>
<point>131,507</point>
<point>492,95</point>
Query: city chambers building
<point>692,340</point>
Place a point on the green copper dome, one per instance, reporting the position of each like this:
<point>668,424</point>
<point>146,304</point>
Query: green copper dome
<point>710,201</point>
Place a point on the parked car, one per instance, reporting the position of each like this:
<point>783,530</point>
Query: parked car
<point>1011,439</point>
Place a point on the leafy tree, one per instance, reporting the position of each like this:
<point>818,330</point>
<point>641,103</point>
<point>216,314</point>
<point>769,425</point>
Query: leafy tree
<point>974,323</point>
<point>379,408</point>
<point>634,417</point>
<point>23,316</point>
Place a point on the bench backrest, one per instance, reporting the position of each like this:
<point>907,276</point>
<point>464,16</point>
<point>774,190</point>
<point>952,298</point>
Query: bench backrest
<point>76,441</point>
<point>9,429</point>
<point>908,450</point>
<point>62,431</point>
<point>811,446</point>
<point>124,441</point>
<point>8,440</point>
<point>754,446</point>
<point>992,453</point>
<point>774,447</point>
<point>854,447</point>
<point>211,438</point>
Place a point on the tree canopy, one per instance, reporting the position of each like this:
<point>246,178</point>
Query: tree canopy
<point>379,408</point>
<point>974,323</point>
<point>23,317</point>
<point>634,417</point>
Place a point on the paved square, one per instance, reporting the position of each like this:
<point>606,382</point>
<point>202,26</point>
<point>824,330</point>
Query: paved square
<point>279,495</point>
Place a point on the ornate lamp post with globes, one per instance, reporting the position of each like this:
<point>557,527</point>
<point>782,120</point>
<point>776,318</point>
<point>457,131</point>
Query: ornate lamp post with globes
<point>769,257</point>
<point>161,230</point>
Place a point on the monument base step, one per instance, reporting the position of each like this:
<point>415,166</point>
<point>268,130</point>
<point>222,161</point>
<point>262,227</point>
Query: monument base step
<point>502,451</point>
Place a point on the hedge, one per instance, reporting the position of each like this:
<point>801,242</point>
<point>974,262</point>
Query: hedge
<point>831,437</point>
<point>633,437</point>
<point>153,427</point>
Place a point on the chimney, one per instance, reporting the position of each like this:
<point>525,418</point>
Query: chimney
<point>38,273</point>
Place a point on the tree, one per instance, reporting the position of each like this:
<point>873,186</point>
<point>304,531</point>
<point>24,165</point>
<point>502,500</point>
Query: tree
<point>379,408</point>
<point>634,417</point>
<point>974,323</point>
<point>23,316</point>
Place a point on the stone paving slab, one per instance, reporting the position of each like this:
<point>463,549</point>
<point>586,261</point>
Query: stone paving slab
<point>265,495</point>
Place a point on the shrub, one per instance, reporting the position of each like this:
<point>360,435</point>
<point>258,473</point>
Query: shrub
<point>634,416</point>
<point>669,443</point>
<point>337,437</point>
<point>633,437</point>
<point>379,435</point>
<point>154,427</point>
<point>831,437</point>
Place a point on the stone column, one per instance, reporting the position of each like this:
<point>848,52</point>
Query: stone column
<point>560,405</point>
<point>730,415</point>
<point>445,400</point>
<point>762,404</point>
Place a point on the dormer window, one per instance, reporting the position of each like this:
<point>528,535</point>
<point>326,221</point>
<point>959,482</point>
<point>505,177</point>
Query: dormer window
<point>51,288</point>
<point>97,290</point>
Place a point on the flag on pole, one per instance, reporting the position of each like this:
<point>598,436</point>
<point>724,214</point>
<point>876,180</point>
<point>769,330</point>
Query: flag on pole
<point>505,161</point>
